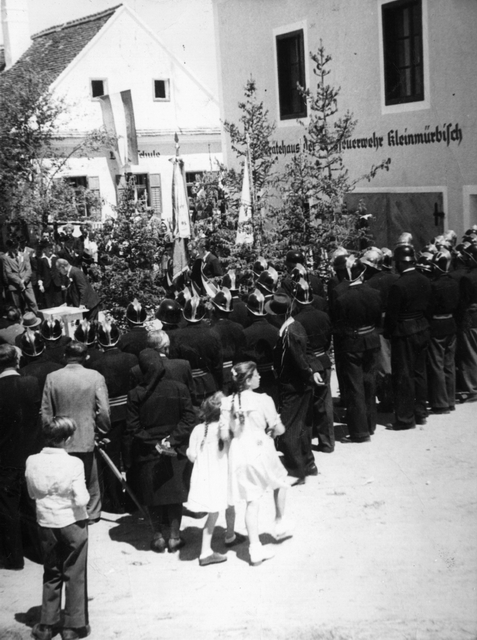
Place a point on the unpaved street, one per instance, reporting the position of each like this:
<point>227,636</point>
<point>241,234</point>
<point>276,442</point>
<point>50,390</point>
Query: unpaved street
<point>385,548</point>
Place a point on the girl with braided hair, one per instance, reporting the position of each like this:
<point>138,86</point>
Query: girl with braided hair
<point>208,487</point>
<point>250,421</point>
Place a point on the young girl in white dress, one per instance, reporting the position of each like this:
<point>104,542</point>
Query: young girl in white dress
<point>208,489</point>
<point>250,421</point>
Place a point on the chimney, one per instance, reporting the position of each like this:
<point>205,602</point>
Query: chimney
<point>16,30</point>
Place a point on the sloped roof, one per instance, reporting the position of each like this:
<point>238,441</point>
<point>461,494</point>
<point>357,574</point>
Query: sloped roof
<point>53,49</point>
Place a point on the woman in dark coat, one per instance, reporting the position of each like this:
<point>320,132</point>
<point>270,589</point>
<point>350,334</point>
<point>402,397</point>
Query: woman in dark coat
<point>159,411</point>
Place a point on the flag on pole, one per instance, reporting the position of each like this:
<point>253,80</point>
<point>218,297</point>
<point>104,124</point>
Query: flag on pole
<point>118,119</point>
<point>244,225</point>
<point>180,224</point>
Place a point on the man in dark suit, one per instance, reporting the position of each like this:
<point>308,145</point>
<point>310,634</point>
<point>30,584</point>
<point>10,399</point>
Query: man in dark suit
<point>17,274</point>
<point>19,409</point>
<point>50,280</point>
<point>82,395</point>
<point>80,292</point>
<point>357,316</point>
<point>115,366</point>
<point>408,329</point>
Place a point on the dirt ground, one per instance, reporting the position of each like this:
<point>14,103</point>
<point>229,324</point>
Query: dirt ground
<point>384,548</point>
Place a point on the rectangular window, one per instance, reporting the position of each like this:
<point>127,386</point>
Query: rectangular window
<point>98,88</point>
<point>403,52</point>
<point>79,184</point>
<point>161,90</point>
<point>140,187</point>
<point>291,73</point>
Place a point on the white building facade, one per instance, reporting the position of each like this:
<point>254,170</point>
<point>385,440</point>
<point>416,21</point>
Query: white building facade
<point>114,51</point>
<point>406,70</point>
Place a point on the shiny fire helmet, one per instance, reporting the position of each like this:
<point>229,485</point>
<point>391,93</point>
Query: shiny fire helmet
<point>442,260</point>
<point>387,258</point>
<point>135,312</point>
<point>303,292</point>
<point>108,333</point>
<point>424,262</point>
<point>354,268</point>
<point>223,300</point>
<point>259,265</point>
<point>404,253</point>
<point>230,280</point>
<point>373,257</point>
<point>268,280</point>
<point>32,344</point>
<point>169,312</point>
<point>51,329</point>
<point>85,332</point>
<point>256,303</point>
<point>194,310</point>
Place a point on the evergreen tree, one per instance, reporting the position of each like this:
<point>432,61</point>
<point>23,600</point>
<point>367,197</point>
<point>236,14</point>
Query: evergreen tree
<point>313,213</point>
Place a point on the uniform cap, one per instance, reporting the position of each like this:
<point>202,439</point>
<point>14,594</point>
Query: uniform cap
<point>404,239</point>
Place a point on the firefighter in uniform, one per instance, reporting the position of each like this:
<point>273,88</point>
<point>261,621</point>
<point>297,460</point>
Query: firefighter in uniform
<point>201,346</point>
<point>317,325</point>
<point>357,315</point>
<point>230,333</point>
<point>408,330</point>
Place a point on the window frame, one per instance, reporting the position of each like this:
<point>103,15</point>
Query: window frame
<point>410,105</point>
<point>167,86</point>
<point>280,33</point>
<point>81,206</point>
<point>105,88</point>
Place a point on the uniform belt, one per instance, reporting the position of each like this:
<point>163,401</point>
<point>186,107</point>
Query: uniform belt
<point>198,373</point>
<point>445,316</point>
<point>263,368</point>
<point>118,401</point>
<point>362,331</point>
<point>318,354</point>
<point>410,316</point>
<point>228,364</point>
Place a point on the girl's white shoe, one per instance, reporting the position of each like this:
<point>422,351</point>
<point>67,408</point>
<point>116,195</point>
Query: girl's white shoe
<point>284,529</point>
<point>259,553</point>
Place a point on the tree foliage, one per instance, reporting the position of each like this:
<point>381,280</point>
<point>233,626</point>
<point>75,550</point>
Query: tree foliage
<point>314,183</point>
<point>30,162</point>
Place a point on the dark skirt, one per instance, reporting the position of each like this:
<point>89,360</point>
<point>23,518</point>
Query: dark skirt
<point>164,480</point>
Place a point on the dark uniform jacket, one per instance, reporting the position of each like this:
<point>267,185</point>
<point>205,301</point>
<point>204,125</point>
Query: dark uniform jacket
<point>260,340</point>
<point>175,369</point>
<point>317,325</point>
<point>55,349</point>
<point>382,281</point>
<point>442,306</point>
<point>239,312</point>
<point>408,300</point>
<point>19,410</point>
<point>39,368</point>
<point>293,362</point>
<point>468,299</point>
<point>201,347</point>
<point>115,366</point>
<point>357,316</point>
<point>133,341</point>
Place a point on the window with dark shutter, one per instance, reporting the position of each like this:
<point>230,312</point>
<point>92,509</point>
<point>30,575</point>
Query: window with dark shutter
<point>291,73</point>
<point>98,88</point>
<point>403,51</point>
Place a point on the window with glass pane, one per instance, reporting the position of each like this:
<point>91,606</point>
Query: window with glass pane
<point>79,184</point>
<point>402,46</point>
<point>291,73</point>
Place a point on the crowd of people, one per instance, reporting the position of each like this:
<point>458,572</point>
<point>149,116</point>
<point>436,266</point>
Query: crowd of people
<point>217,395</point>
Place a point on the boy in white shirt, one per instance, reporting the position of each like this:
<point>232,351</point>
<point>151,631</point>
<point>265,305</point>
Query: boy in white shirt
<point>56,481</point>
